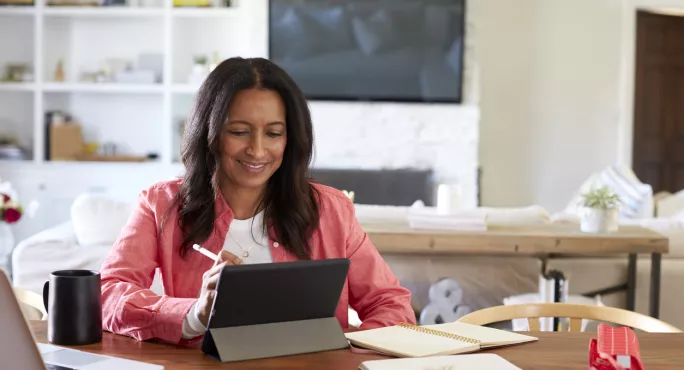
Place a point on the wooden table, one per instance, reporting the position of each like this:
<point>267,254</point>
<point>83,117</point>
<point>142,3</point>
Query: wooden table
<point>552,351</point>
<point>543,241</point>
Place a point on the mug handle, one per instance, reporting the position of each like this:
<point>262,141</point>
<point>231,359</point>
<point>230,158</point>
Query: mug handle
<point>46,294</point>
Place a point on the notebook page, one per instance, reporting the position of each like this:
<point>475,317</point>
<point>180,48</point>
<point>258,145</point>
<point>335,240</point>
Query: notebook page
<point>485,361</point>
<point>404,342</point>
<point>489,337</point>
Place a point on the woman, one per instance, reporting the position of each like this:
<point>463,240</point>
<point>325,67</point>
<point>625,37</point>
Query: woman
<point>246,196</point>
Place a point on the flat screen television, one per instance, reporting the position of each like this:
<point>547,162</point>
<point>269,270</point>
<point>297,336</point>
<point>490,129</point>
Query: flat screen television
<point>371,50</point>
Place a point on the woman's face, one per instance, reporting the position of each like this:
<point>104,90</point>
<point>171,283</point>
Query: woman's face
<point>253,138</point>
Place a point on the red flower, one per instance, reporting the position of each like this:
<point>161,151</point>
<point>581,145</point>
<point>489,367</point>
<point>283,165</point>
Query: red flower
<point>5,198</point>
<point>12,215</point>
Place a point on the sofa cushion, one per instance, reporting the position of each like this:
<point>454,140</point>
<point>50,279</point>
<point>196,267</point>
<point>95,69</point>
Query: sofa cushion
<point>98,219</point>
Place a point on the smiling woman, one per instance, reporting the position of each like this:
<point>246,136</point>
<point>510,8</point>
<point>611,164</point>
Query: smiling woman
<point>248,198</point>
<point>252,142</point>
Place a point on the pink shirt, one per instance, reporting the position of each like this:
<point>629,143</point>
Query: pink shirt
<point>130,308</point>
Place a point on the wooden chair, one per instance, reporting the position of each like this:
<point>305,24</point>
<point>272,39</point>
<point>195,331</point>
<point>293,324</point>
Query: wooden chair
<point>31,304</point>
<point>575,312</point>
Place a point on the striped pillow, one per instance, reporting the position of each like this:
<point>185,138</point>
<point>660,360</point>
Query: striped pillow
<point>634,195</point>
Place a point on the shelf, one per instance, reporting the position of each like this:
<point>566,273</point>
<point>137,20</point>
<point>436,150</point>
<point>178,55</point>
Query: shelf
<point>16,86</point>
<point>103,88</point>
<point>215,12</point>
<point>108,11</point>
<point>17,10</point>
<point>32,164</point>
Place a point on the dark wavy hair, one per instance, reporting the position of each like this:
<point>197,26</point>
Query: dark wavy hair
<point>290,201</point>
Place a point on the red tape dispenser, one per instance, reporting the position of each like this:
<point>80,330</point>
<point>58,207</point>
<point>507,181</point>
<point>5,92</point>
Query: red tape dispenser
<point>614,349</point>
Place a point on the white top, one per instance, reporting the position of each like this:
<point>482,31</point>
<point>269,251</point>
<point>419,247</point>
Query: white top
<point>242,236</point>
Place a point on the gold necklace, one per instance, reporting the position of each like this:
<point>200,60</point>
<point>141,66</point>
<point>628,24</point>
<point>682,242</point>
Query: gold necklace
<point>245,253</point>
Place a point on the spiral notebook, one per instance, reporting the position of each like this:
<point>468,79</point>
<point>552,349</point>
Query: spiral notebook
<point>480,361</point>
<point>406,340</point>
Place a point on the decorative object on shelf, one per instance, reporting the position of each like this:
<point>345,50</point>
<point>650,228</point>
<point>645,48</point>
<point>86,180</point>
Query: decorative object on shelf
<point>599,212</point>
<point>10,149</point>
<point>59,71</point>
<point>199,70</point>
<point>17,72</point>
<point>148,71</point>
<point>192,3</point>
<point>215,61</point>
<point>109,149</point>
<point>448,198</point>
<point>114,3</point>
<point>73,3</point>
<point>152,62</point>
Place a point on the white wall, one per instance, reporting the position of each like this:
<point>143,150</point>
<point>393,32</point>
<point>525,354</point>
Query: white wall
<point>505,55</point>
<point>550,97</point>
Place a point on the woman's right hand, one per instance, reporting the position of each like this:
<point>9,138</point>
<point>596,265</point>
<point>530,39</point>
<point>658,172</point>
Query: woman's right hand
<point>209,281</point>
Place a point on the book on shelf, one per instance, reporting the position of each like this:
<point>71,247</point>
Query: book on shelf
<point>407,340</point>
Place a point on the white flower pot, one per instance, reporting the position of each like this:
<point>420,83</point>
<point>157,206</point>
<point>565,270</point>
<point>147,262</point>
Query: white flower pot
<point>593,220</point>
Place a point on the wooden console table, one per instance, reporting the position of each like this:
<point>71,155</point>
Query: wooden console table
<point>544,241</point>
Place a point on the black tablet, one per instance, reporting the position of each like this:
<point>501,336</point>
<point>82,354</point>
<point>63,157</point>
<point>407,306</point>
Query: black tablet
<point>276,309</point>
<point>278,292</point>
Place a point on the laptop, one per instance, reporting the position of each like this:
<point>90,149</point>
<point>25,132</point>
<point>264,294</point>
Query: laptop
<point>19,351</point>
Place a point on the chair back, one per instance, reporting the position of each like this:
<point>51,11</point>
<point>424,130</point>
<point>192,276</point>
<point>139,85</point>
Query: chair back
<point>31,304</point>
<point>574,312</point>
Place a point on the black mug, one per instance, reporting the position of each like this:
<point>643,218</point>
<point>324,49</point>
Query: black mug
<point>73,302</point>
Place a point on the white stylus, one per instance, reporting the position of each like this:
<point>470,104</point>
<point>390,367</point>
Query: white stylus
<point>205,252</point>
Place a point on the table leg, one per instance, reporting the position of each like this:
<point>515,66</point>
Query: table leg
<point>631,282</point>
<point>655,285</point>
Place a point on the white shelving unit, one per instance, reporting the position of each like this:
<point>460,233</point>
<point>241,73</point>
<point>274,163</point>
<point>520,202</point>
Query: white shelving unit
<point>139,118</point>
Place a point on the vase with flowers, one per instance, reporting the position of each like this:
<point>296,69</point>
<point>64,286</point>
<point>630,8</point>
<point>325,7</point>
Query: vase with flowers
<point>10,213</point>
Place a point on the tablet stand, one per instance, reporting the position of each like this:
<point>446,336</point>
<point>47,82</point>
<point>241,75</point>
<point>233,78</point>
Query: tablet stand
<point>238,343</point>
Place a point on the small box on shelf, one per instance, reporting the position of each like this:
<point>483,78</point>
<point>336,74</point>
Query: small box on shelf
<point>66,142</point>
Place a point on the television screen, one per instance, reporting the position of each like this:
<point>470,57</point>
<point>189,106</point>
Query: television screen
<point>382,50</point>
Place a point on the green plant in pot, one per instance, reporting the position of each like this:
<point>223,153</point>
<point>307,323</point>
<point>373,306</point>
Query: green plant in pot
<point>599,211</point>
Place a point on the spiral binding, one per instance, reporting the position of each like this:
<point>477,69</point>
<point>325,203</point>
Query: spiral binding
<point>438,333</point>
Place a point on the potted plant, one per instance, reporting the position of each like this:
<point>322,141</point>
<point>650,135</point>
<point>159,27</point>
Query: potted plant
<point>599,212</point>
